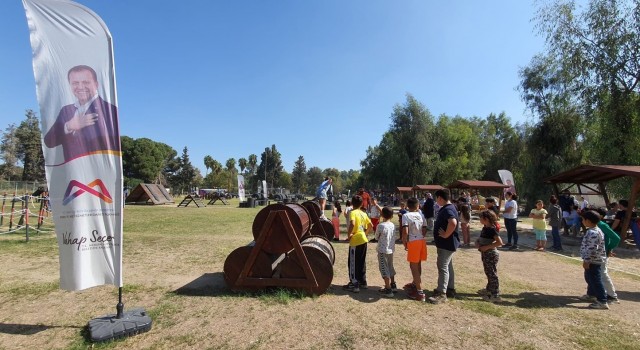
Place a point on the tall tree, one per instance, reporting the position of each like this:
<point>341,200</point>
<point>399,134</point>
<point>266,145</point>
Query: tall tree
<point>242,163</point>
<point>9,153</point>
<point>186,176</point>
<point>231,169</point>
<point>270,166</point>
<point>314,179</point>
<point>29,149</point>
<point>299,176</point>
<point>208,160</point>
<point>599,49</point>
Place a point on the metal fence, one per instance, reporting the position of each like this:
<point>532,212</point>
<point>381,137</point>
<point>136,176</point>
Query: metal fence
<point>20,187</point>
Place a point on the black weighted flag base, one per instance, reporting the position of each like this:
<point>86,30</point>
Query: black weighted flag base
<point>111,327</point>
<point>121,325</point>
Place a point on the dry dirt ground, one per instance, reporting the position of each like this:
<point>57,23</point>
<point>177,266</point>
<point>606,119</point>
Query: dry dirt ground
<point>184,291</point>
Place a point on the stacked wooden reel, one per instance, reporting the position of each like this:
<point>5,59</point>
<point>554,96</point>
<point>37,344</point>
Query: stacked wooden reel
<point>285,253</point>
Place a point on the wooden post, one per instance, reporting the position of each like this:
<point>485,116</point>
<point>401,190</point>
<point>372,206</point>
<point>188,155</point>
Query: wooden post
<point>635,189</point>
<point>13,204</point>
<point>4,198</point>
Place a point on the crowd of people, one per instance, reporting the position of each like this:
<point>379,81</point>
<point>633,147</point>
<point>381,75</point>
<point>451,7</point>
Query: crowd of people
<point>448,222</point>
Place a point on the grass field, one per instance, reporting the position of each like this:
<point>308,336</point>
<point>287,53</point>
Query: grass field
<point>173,260</point>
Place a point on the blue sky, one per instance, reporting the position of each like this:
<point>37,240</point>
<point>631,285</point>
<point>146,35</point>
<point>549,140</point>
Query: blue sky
<point>315,78</point>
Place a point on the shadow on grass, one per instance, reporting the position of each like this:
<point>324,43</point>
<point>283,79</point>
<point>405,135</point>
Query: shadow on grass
<point>27,329</point>
<point>630,296</point>
<point>209,284</point>
<point>369,295</point>
<point>535,300</point>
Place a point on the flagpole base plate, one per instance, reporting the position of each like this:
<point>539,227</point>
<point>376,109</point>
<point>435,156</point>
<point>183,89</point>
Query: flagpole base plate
<point>109,327</point>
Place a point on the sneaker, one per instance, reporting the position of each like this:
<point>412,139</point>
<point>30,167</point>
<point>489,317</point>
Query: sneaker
<point>587,297</point>
<point>417,295</point>
<point>394,287</point>
<point>386,292</point>
<point>351,287</point>
<point>612,300</point>
<point>513,247</point>
<point>363,285</point>
<point>373,241</point>
<point>322,217</point>
<point>492,298</point>
<point>506,245</point>
<point>483,292</point>
<point>438,299</point>
<point>409,286</point>
<point>600,306</point>
<point>451,293</point>
<point>336,239</point>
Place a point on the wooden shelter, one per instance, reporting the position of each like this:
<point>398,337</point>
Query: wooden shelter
<point>480,185</point>
<point>586,174</point>
<point>403,190</point>
<point>149,194</point>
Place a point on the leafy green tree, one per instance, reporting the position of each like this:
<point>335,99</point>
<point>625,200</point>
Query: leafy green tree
<point>207,163</point>
<point>231,170</point>
<point>242,163</point>
<point>314,179</point>
<point>29,148</point>
<point>186,176</point>
<point>599,49</point>
<point>9,154</point>
<point>299,176</point>
<point>285,180</point>
<point>406,153</point>
<point>458,149</point>
<point>270,166</point>
<point>498,140</point>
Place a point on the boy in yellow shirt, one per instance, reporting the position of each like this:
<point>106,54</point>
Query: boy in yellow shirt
<point>359,226</point>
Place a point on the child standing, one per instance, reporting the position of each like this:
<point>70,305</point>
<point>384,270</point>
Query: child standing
<point>465,218</point>
<point>386,236</point>
<point>555,220</point>
<point>402,211</point>
<point>359,227</point>
<point>574,221</point>
<point>374,215</point>
<point>414,230</point>
<point>487,244</point>
<point>539,225</point>
<point>335,220</point>
<point>347,210</point>
<point>594,256</point>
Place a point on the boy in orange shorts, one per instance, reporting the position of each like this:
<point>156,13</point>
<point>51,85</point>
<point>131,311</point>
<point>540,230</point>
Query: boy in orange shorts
<point>414,230</point>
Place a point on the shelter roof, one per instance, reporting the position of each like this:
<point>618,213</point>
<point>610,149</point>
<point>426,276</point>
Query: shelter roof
<point>427,187</point>
<point>594,174</point>
<point>476,184</point>
<point>404,189</point>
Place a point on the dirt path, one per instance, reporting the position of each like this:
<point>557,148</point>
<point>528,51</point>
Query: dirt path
<point>184,291</point>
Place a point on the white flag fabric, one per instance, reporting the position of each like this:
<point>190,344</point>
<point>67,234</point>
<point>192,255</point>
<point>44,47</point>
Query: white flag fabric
<point>241,188</point>
<point>264,189</point>
<point>75,83</point>
<point>507,179</point>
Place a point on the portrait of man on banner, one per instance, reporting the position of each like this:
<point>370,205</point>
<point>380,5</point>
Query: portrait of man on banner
<point>87,126</point>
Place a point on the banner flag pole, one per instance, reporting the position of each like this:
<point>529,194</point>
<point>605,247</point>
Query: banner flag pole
<point>74,70</point>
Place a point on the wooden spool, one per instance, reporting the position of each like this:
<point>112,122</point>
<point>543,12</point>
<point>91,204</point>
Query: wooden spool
<point>278,243</point>
<point>313,208</point>
<point>235,262</point>
<point>322,227</point>
<point>321,256</point>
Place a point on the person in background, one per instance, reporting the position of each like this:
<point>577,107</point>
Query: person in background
<point>402,211</point>
<point>374,215</point>
<point>539,215</point>
<point>618,220</point>
<point>366,199</point>
<point>611,241</point>
<point>566,204</point>
<point>335,220</point>
<point>487,243</point>
<point>347,210</point>
<point>465,218</point>
<point>555,220</point>
<point>428,211</point>
<point>321,194</point>
<point>491,205</point>
<point>510,216</point>
<point>386,236</point>
<point>574,221</point>
<point>583,203</point>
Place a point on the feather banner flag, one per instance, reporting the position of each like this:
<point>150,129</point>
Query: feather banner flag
<point>74,72</point>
